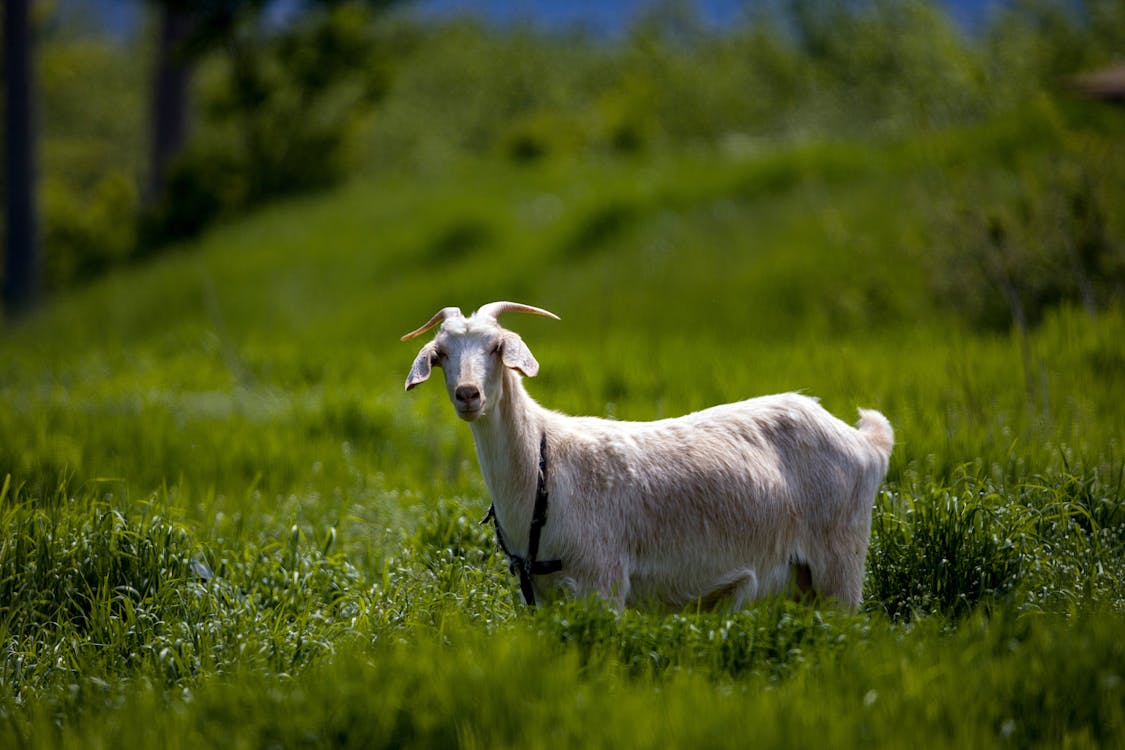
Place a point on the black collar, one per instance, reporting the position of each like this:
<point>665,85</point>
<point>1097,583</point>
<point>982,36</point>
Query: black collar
<point>528,566</point>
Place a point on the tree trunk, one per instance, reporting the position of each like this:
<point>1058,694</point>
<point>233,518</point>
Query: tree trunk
<point>21,257</point>
<point>169,95</point>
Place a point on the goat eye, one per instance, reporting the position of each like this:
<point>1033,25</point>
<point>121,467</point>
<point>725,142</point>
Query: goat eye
<point>497,347</point>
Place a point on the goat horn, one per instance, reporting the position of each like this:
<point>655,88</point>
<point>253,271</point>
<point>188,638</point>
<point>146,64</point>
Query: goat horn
<point>493,309</point>
<point>442,315</point>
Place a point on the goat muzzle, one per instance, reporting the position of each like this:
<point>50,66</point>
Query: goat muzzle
<point>467,399</point>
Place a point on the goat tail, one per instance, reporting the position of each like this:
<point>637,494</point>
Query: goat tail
<point>877,430</point>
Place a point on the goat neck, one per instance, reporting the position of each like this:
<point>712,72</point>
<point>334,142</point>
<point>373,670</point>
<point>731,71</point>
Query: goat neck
<point>507,443</point>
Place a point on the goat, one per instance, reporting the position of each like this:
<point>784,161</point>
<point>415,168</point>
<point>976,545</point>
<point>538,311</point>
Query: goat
<point>772,495</point>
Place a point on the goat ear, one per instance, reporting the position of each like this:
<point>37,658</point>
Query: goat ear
<point>420,370</point>
<point>517,356</point>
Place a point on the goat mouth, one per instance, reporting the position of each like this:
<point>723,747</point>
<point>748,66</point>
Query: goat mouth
<point>470,414</point>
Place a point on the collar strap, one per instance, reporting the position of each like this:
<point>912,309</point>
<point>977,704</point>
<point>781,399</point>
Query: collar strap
<point>529,566</point>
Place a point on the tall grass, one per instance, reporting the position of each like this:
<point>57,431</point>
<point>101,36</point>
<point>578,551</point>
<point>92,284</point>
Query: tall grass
<point>221,513</point>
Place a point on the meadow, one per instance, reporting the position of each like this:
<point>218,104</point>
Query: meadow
<point>223,522</point>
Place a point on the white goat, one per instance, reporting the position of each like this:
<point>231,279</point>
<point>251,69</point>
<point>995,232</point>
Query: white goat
<point>772,495</point>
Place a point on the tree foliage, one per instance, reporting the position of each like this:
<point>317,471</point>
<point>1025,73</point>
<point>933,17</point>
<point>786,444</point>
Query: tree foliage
<point>341,86</point>
<point>280,108</point>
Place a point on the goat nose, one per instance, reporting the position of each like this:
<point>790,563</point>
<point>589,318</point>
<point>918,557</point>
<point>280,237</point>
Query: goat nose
<point>467,395</point>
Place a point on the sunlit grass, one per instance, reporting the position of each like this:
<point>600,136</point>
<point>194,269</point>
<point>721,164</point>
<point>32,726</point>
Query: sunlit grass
<point>221,512</point>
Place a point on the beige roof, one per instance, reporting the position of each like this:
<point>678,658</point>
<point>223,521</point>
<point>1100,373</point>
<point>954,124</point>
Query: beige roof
<point>1107,83</point>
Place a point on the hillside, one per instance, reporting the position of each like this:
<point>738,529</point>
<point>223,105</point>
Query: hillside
<point>218,500</point>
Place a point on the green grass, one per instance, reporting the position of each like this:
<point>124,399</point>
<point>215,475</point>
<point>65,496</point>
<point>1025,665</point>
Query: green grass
<point>223,522</point>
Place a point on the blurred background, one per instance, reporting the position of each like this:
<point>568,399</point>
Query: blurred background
<point>140,123</point>
<point>221,215</point>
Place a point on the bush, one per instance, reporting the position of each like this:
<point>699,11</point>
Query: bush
<point>90,103</point>
<point>1022,245</point>
<point>86,235</point>
<point>281,113</point>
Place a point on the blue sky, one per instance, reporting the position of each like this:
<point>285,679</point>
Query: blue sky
<point>608,16</point>
<point>599,16</point>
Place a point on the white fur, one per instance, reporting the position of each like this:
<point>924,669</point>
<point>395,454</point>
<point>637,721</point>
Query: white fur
<point>725,504</point>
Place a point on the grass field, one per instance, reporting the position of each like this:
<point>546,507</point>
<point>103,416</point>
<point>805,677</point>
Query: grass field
<point>223,522</point>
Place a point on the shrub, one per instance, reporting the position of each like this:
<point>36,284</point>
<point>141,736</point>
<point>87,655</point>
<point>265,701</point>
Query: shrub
<point>1013,248</point>
<point>282,113</point>
<point>87,235</point>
